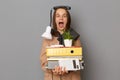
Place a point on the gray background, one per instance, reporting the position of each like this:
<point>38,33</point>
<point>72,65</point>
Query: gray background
<point>23,21</point>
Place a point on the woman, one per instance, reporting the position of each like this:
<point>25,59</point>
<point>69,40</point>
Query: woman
<point>61,22</point>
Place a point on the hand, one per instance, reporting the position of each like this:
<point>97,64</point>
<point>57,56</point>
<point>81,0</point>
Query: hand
<point>59,70</point>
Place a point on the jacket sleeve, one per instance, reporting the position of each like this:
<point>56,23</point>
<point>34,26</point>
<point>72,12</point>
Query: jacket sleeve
<point>43,57</point>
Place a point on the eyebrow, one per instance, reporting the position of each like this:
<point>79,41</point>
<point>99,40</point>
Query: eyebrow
<point>63,14</point>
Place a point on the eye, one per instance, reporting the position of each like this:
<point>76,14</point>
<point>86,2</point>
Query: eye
<point>57,15</point>
<point>64,15</point>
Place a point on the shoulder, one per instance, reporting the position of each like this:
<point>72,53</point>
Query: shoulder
<point>48,42</point>
<point>45,41</point>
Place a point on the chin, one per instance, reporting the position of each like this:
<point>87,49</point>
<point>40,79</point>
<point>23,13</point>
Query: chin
<point>61,29</point>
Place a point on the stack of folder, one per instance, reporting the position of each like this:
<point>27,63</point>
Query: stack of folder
<point>68,57</point>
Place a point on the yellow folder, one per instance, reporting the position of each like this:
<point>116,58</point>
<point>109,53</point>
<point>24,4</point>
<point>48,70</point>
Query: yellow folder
<point>64,51</point>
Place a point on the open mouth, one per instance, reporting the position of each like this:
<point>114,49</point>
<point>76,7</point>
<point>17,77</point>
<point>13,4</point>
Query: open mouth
<point>61,24</point>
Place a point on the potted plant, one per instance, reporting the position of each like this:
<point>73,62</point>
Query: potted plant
<point>67,38</point>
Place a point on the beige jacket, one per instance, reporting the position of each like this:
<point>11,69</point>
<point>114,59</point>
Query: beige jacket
<point>48,75</point>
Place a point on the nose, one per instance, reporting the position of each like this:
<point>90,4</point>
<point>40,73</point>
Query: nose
<point>61,17</point>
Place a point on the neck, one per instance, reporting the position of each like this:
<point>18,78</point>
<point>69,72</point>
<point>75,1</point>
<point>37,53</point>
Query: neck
<point>61,31</point>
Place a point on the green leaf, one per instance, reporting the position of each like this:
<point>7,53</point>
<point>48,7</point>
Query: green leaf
<point>67,35</point>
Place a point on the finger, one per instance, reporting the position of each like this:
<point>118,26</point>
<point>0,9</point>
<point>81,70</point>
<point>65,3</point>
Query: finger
<point>66,71</point>
<point>60,70</point>
<point>55,68</point>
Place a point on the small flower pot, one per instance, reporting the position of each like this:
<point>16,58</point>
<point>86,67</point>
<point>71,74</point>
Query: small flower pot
<point>68,42</point>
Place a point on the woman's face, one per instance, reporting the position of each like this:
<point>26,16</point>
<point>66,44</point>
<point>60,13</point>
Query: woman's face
<point>61,19</point>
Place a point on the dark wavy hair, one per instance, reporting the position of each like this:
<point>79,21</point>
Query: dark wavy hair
<point>54,31</point>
